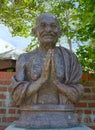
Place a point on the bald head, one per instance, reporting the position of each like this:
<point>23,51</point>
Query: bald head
<point>48,16</point>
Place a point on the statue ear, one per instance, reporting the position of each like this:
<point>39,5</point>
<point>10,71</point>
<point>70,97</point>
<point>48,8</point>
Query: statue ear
<point>34,31</point>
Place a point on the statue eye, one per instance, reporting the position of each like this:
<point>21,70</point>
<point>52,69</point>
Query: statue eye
<point>53,25</point>
<point>43,25</point>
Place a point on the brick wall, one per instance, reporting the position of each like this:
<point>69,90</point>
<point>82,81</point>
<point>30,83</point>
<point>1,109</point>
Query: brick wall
<point>85,109</point>
<point>8,114</point>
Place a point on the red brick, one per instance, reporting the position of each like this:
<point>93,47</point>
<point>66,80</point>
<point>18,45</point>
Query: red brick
<point>93,90</point>
<point>87,90</point>
<point>2,111</point>
<point>5,82</point>
<point>87,120</point>
<point>91,104</point>
<point>94,112</point>
<point>88,77</point>
<point>91,77</point>
<point>79,111</point>
<point>88,83</point>
<point>12,111</point>
<point>2,127</point>
<point>9,119</point>
<point>3,88</point>
<point>90,97</point>
<point>0,119</point>
<point>85,77</point>
<point>2,96</point>
<point>81,104</point>
<point>1,103</point>
<point>79,119</point>
<point>87,111</point>
<point>18,111</point>
<point>6,75</point>
<point>93,127</point>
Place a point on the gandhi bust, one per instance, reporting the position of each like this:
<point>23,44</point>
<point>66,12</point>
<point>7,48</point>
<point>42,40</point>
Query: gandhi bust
<point>49,75</point>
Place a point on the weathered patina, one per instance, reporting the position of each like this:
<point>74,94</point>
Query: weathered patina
<point>46,85</point>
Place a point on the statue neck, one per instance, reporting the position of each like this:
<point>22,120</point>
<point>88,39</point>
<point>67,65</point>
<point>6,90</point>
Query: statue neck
<point>45,47</point>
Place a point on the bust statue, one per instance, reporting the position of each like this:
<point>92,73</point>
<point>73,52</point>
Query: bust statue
<point>46,83</point>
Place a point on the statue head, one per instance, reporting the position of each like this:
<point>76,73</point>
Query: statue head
<point>47,30</point>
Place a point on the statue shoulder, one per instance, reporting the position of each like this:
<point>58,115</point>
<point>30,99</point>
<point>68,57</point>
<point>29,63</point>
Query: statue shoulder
<point>67,51</point>
<point>26,56</point>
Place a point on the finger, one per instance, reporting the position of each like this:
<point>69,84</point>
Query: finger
<point>53,63</point>
<point>49,53</point>
<point>47,60</point>
<point>46,65</point>
<point>32,74</point>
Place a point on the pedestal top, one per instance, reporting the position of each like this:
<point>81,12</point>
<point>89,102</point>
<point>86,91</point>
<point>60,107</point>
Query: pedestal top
<point>49,107</point>
<point>83,127</point>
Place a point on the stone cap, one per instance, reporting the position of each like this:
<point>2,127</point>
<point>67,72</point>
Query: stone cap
<point>49,107</point>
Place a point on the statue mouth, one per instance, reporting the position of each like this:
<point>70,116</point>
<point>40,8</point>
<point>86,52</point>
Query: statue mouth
<point>48,36</point>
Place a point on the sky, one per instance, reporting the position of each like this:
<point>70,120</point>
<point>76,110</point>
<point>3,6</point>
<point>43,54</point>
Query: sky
<point>19,42</point>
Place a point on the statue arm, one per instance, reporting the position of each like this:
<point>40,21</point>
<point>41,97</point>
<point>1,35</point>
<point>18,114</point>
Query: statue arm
<point>21,88</point>
<point>19,85</point>
<point>72,91</point>
<point>21,91</point>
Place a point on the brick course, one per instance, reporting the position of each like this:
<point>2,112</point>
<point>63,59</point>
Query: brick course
<point>85,109</point>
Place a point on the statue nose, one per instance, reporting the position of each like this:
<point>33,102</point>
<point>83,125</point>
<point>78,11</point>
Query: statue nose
<point>48,29</point>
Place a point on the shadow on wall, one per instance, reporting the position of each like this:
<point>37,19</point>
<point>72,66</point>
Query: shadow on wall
<point>7,65</point>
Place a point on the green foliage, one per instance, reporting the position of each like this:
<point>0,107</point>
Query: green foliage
<point>10,70</point>
<point>86,56</point>
<point>77,17</point>
<point>86,15</point>
<point>20,15</point>
<point>34,44</point>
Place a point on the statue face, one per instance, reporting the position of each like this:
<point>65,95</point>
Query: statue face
<point>48,30</point>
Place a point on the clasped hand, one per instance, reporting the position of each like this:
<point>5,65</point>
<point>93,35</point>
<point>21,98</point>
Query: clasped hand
<point>49,67</point>
<point>48,71</point>
<point>48,74</point>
